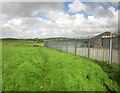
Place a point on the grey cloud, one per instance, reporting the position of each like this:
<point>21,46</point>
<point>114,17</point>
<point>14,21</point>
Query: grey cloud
<point>115,3</point>
<point>27,9</point>
<point>9,33</point>
<point>98,10</point>
<point>101,12</point>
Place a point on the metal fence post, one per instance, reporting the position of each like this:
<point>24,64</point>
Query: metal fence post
<point>66,44</point>
<point>75,46</point>
<point>110,55</point>
<point>88,47</point>
<point>119,49</point>
<point>61,44</point>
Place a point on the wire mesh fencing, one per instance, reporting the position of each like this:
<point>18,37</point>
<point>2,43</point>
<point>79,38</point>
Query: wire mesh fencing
<point>104,47</point>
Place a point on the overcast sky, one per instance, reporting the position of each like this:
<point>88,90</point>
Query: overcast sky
<point>56,19</point>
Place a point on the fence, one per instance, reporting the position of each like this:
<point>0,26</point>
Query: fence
<point>103,47</point>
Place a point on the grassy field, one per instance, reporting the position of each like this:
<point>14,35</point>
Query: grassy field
<point>41,69</point>
<point>0,67</point>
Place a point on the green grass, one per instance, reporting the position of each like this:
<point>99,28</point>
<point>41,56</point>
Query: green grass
<point>112,70</point>
<point>0,67</point>
<point>41,69</point>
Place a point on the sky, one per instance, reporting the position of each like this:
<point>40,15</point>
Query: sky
<point>58,19</point>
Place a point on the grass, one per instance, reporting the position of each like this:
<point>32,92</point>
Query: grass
<point>0,67</point>
<point>28,68</point>
<point>112,70</point>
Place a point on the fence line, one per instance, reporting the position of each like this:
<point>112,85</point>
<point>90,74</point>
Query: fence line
<point>98,48</point>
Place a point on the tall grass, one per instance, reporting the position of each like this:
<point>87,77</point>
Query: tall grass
<point>42,69</point>
<point>0,67</point>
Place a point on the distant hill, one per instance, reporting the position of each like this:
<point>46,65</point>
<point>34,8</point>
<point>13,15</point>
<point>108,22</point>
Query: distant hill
<point>25,40</point>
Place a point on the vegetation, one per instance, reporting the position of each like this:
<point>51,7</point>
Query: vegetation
<point>112,70</point>
<point>0,68</point>
<point>16,40</point>
<point>28,40</point>
<point>41,69</point>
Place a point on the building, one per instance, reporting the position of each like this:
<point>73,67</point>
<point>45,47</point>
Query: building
<point>103,40</point>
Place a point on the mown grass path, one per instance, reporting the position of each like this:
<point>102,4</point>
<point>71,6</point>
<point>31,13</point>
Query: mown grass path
<point>42,69</point>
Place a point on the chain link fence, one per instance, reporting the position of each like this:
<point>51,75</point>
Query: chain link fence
<point>104,47</point>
